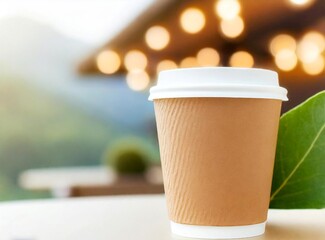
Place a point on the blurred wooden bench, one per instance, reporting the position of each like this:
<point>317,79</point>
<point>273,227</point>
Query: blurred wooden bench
<point>129,187</point>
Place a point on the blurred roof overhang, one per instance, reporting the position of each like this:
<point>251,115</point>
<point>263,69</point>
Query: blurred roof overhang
<point>263,20</point>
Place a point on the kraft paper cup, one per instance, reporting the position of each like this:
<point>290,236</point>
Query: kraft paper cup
<point>217,131</point>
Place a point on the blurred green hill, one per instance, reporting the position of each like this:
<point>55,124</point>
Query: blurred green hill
<point>38,131</point>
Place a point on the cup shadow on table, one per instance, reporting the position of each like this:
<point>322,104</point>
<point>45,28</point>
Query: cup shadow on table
<point>283,232</point>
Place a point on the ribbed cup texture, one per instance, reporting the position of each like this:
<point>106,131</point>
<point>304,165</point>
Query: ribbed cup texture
<point>217,158</point>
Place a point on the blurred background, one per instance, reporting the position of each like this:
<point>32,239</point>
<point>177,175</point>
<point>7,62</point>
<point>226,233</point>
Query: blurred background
<point>75,74</point>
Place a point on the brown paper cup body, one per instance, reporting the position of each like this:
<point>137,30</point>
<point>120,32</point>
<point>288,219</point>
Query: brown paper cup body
<point>217,158</point>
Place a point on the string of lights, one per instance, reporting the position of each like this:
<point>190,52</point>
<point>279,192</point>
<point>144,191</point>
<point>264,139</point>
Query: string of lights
<point>287,51</point>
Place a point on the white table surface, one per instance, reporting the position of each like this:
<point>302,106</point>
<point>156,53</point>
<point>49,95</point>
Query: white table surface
<point>128,218</point>
<point>60,180</point>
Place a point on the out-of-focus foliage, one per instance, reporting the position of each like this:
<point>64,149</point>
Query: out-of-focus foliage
<point>131,155</point>
<point>37,131</point>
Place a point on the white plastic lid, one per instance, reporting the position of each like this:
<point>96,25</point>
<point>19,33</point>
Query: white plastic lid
<point>225,82</point>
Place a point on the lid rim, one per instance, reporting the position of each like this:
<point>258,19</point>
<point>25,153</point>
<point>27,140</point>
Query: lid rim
<point>218,82</point>
<point>267,71</point>
<point>228,91</point>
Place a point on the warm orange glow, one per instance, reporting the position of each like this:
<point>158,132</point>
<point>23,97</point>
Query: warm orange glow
<point>189,62</point>
<point>137,80</point>
<point>108,62</point>
<point>208,57</point>
<point>157,37</point>
<point>166,65</point>
<point>232,28</point>
<point>286,60</point>
<point>282,41</point>
<point>310,47</point>
<point>307,51</point>
<point>135,60</point>
<point>300,3</point>
<point>227,9</point>
<point>317,38</point>
<point>315,67</point>
<point>241,59</point>
<point>192,20</point>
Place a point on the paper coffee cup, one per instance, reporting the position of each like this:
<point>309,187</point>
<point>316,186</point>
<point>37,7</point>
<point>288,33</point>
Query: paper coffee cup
<point>217,131</point>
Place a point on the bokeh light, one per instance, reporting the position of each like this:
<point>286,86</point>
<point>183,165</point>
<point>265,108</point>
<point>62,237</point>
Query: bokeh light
<point>301,3</point>
<point>282,41</point>
<point>157,37</point>
<point>317,38</point>
<point>137,80</point>
<point>310,47</point>
<point>241,59</point>
<point>189,62</point>
<point>135,60</point>
<point>308,51</point>
<point>108,62</point>
<point>286,60</point>
<point>232,28</point>
<point>227,9</point>
<point>208,57</point>
<point>315,67</point>
<point>166,65</point>
<point>192,20</point>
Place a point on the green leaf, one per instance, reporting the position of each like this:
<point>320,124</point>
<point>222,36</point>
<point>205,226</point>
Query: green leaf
<point>299,171</point>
